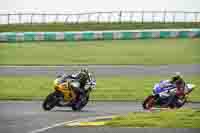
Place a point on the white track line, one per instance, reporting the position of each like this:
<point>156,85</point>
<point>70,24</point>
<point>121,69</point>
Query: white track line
<point>69,122</point>
<point>53,126</point>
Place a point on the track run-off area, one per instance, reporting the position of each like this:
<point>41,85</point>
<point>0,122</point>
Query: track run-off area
<point>28,116</point>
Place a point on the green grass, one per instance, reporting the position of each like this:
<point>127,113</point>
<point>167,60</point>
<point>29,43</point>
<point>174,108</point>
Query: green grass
<point>119,88</point>
<point>182,118</point>
<point>94,26</point>
<point>148,52</point>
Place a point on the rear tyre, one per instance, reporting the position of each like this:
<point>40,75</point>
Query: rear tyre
<point>78,106</point>
<point>50,102</point>
<point>180,102</point>
<point>149,102</point>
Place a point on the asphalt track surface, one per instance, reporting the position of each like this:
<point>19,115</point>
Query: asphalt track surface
<point>103,70</point>
<point>28,117</point>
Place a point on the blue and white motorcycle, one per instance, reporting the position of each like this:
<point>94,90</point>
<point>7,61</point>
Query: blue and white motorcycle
<point>161,96</point>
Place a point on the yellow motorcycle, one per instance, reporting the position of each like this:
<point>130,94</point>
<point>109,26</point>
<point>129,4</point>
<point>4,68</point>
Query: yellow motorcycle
<point>65,94</point>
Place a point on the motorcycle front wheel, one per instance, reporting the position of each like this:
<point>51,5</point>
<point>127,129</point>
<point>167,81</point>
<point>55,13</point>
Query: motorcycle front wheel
<point>149,102</point>
<point>50,102</point>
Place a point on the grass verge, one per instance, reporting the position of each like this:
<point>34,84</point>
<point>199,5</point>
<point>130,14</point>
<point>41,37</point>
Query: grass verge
<point>94,26</point>
<point>147,52</point>
<point>182,118</point>
<point>119,88</point>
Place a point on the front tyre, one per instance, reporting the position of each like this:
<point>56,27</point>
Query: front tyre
<point>50,102</point>
<point>149,102</point>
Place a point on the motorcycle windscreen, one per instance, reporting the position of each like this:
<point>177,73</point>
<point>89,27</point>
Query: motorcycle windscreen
<point>157,89</point>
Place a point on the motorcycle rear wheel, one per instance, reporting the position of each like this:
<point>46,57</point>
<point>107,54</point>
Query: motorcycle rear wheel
<point>78,106</point>
<point>177,103</point>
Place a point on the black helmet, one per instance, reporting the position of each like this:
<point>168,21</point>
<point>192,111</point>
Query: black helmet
<point>85,70</point>
<point>176,77</point>
<point>83,76</point>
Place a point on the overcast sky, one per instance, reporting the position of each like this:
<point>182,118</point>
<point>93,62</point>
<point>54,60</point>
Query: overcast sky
<point>13,6</point>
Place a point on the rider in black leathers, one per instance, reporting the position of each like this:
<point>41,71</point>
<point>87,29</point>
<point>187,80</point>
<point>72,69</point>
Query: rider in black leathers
<point>83,77</point>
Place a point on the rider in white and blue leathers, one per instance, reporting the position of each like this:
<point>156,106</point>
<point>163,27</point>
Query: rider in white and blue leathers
<point>165,89</point>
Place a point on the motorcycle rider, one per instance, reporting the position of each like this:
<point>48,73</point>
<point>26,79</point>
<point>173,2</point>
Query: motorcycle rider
<point>83,77</point>
<point>175,82</point>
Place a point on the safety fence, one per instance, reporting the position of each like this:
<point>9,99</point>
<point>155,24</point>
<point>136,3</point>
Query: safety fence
<point>98,35</point>
<point>99,17</point>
